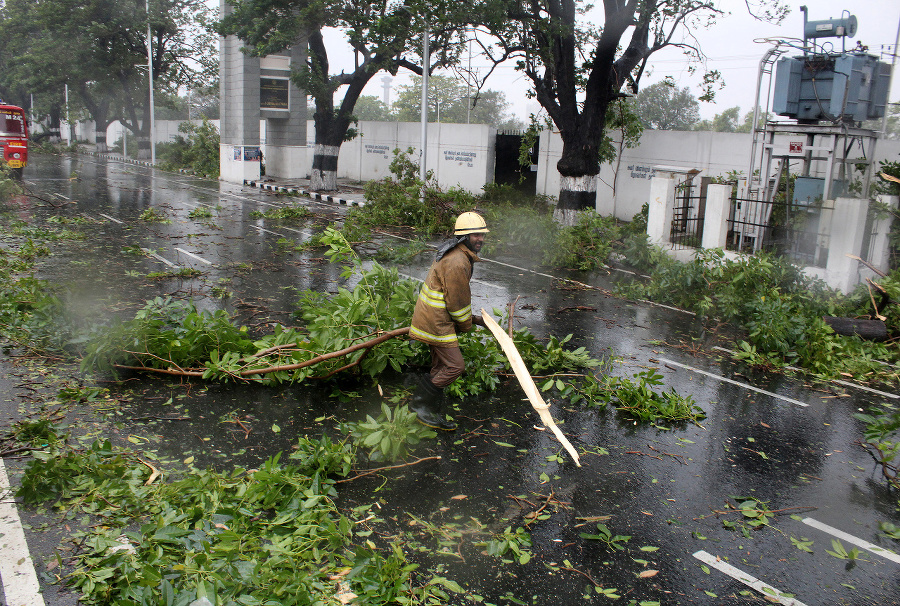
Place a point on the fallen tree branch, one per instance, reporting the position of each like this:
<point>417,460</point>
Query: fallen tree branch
<point>527,383</point>
<point>376,470</point>
<point>244,374</point>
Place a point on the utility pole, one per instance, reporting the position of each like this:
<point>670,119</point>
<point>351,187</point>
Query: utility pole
<point>426,61</point>
<point>150,74</point>
<point>884,121</point>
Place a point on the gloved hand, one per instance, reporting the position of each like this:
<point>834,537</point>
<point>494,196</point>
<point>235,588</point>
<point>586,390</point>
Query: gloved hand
<point>478,321</point>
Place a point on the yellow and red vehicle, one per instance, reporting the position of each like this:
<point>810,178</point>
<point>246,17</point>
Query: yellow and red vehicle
<point>14,137</point>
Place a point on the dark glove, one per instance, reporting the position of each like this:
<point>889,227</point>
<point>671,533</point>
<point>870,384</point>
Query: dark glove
<point>478,321</point>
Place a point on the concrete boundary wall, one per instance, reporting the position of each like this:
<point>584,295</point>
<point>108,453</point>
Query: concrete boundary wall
<point>460,155</point>
<point>713,154</point>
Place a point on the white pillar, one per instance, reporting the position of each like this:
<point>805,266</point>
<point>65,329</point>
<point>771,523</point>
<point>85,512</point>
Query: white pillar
<point>848,223</point>
<point>715,221</point>
<point>661,208</point>
<point>879,256</point>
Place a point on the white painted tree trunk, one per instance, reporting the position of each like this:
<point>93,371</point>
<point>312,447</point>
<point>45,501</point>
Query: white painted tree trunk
<point>100,136</point>
<point>576,194</point>
<point>324,169</point>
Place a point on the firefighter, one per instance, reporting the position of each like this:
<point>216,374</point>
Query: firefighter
<point>444,309</point>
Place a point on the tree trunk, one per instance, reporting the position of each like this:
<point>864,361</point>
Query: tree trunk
<point>143,146</point>
<point>324,167</point>
<point>578,168</point>
<point>870,330</point>
<point>100,136</point>
<point>54,127</point>
<point>576,194</point>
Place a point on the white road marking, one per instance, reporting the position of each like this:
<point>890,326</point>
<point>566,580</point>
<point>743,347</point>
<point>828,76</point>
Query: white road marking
<point>193,256</point>
<point>113,219</point>
<point>733,382</point>
<point>838,381</point>
<point>20,583</point>
<point>408,277</point>
<point>885,553</point>
<point>296,231</point>
<point>483,283</point>
<point>748,580</point>
<point>149,252</point>
<point>274,233</point>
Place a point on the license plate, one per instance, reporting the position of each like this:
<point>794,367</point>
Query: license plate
<point>14,163</point>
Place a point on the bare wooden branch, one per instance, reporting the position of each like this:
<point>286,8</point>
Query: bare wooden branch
<point>245,374</point>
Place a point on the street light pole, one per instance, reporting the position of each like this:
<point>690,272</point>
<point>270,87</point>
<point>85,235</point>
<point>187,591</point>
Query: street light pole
<point>884,121</point>
<point>426,60</point>
<point>150,75</point>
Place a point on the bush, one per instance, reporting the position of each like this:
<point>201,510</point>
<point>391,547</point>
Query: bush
<point>199,152</point>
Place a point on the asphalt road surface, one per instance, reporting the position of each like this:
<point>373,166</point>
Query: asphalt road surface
<point>782,439</point>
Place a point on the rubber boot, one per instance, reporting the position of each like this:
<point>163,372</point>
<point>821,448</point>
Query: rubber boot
<point>427,403</point>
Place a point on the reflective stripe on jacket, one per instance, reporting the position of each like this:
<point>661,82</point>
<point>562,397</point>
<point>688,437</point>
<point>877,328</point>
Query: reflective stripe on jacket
<point>444,306</point>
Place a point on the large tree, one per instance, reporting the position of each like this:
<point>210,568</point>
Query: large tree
<point>577,69</point>
<point>663,106</point>
<point>383,35</point>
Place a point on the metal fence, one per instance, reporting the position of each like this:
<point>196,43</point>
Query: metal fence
<point>799,231</point>
<point>688,215</point>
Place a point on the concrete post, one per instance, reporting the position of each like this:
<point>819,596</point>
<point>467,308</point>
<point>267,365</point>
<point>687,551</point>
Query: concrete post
<point>239,157</point>
<point>715,221</point>
<point>848,224</point>
<point>286,150</point>
<point>661,209</point>
<point>879,256</point>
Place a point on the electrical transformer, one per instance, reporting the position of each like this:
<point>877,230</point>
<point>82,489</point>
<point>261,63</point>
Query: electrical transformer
<point>846,87</point>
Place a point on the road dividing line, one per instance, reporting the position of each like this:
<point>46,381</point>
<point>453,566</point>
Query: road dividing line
<point>739,575</point>
<point>733,382</point>
<point>838,381</point>
<point>274,233</point>
<point>20,583</point>
<point>488,284</point>
<point>408,277</point>
<point>113,219</point>
<point>193,256</point>
<point>149,252</point>
<point>885,553</point>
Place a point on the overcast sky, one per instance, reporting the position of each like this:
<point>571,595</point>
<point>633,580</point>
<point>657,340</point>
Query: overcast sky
<point>730,48</point>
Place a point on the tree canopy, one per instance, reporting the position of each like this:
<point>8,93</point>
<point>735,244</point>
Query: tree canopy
<point>450,101</point>
<point>98,48</point>
<point>663,106</point>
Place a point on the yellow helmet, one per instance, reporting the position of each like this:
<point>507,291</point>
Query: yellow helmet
<point>470,223</point>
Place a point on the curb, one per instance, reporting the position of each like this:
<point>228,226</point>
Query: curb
<point>259,184</point>
<point>310,194</point>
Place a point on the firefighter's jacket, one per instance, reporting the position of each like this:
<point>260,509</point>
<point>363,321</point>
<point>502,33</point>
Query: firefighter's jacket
<point>444,306</point>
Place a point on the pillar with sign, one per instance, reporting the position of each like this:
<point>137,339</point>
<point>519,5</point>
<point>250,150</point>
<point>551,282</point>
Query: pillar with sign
<point>252,89</point>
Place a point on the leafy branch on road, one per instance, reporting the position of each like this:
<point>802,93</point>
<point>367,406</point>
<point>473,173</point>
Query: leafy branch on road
<point>882,439</point>
<point>239,537</point>
<point>781,311</point>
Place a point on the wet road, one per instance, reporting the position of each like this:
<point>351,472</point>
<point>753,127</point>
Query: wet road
<point>783,440</point>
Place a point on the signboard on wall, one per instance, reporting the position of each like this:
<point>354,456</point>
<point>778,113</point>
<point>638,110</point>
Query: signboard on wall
<point>274,93</point>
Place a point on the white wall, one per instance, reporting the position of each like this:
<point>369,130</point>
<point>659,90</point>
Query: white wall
<point>460,155</point>
<point>714,154</point>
